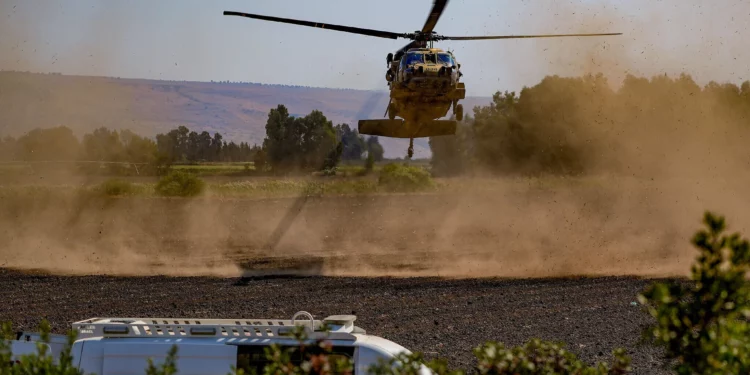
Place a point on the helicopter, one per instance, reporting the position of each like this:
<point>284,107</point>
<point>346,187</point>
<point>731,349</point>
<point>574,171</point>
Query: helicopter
<point>424,82</point>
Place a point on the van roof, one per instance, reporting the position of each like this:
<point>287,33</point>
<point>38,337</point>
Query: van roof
<point>340,327</point>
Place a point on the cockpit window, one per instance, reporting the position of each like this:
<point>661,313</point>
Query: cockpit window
<point>430,58</point>
<point>414,58</point>
<point>445,59</point>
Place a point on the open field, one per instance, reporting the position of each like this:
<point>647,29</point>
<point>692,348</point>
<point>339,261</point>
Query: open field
<point>65,173</point>
<point>350,180</point>
<point>445,318</point>
<point>440,272</point>
<point>465,228</point>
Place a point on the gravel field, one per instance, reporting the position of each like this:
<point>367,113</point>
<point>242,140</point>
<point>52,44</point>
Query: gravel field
<point>439,317</point>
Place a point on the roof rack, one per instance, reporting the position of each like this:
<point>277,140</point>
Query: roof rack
<point>340,327</point>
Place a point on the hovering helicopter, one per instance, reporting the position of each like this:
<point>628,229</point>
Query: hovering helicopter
<point>424,81</point>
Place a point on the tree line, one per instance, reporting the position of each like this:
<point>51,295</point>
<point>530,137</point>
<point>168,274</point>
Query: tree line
<point>579,125</point>
<point>311,143</point>
<point>303,143</point>
<point>179,145</point>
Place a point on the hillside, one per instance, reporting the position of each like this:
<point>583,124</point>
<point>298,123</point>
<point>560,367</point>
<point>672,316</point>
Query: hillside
<point>236,110</point>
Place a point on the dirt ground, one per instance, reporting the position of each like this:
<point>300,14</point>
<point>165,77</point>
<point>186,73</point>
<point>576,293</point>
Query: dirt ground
<point>438,273</point>
<point>445,318</point>
<point>622,228</point>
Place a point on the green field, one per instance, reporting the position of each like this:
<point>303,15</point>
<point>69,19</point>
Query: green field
<point>217,169</point>
<point>10,169</point>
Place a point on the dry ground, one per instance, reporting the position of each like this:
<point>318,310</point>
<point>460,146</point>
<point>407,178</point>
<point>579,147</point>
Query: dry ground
<point>419,269</point>
<point>439,317</point>
<point>543,229</point>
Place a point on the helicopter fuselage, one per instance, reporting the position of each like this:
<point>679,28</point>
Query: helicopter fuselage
<point>424,85</point>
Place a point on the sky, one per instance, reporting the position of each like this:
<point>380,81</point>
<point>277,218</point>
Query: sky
<point>192,40</point>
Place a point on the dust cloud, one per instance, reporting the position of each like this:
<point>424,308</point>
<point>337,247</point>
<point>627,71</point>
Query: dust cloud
<point>486,228</point>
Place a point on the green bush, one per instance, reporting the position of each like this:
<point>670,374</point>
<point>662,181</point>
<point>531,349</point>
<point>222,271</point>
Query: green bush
<point>540,357</point>
<point>40,362</point>
<point>180,184</point>
<point>704,326</point>
<point>405,178</point>
<point>116,187</point>
<point>535,357</point>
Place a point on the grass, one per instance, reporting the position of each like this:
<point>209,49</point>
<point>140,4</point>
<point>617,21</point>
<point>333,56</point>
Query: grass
<point>347,182</point>
<point>400,178</point>
<point>235,169</point>
<point>180,184</point>
<point>217,169</point>
<point>290,187</point>
<point>275,188</point>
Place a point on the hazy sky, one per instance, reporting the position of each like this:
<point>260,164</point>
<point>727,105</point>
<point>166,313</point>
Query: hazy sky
<point>192,40</point>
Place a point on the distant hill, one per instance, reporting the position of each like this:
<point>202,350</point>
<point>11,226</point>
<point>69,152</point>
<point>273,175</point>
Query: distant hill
<point>236,110</point>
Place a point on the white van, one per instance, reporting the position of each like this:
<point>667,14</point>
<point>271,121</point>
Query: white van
<point>205,346</point>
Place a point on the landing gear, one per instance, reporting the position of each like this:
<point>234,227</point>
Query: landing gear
<point>410,152</point>
<point>391,111</point>
<point>459,112</point>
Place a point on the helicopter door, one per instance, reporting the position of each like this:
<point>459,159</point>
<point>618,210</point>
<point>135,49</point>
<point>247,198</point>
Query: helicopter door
<point>401,69</point>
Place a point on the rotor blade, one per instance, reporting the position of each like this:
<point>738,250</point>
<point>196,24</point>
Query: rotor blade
<point>519,36</point>
<point>348,29</point>
<point>412,44</point>
<point>438,6</point>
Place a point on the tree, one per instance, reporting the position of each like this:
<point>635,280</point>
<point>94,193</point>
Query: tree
<point>137,149</point>
<point>216,144</point>
<point>103,145</point>
<point>174,146</point>
<point>353,143</point>
<point>306,143</point>
<point>192,149</point>
<point>704,326</point>
<point>260,160</point>
<point>8,149</point>
<point>277,140</point>
<point>374,147</point>
<point>58,143</point>
<point>181,144</point>
<point>204,150</point>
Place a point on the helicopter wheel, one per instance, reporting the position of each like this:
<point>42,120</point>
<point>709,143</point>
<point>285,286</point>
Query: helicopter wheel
<point>410,151</point>
<point>391,112</point>
<point>459,112</point>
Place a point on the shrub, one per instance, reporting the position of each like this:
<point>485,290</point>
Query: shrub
<point>40,362</point>
<point>180,184</point>
<point>704,326</point>
<point>115,187</point>
<point>540,357</point>
<point>401,177</point>
<point>535,357</point>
